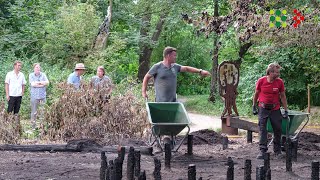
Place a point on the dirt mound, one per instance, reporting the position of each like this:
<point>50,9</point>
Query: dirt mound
<point>206,136</point>
<point>309,141</point>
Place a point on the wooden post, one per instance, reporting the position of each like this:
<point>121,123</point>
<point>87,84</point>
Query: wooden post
<point>137,157</point>
<point>260,174</point>
<point>112,173</point>
<point>142,176</point>
<point>294,150</point>
<point>190,144</point>
<point>157,169</point>
<point>230,171</point>
<point>309,98</point>
<point>130,164</point>
<point>167,155</point>
<point>288,155</point>
<point>266,161</point>
<point>249,136</point>
<point>224,142</point>
<point>315,170</point>
<point>118,168</point>
<point>103,166</point>
<point>192,172</point>
<point>247,169</point>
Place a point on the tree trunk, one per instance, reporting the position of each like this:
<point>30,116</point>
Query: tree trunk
<point>102,36</point>
<point>146,48</point>
<point>214,73</point>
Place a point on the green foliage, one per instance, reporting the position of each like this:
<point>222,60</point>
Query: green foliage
<point>69,38</point>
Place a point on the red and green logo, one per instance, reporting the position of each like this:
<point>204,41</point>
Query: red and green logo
<point>278,18</point>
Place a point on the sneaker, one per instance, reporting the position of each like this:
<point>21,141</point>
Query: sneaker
<point>261,155</point>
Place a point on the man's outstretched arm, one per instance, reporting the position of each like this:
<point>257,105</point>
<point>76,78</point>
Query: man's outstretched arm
<point>194,70</point>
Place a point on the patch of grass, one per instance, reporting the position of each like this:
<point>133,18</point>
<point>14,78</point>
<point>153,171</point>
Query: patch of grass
<point>200,104</point>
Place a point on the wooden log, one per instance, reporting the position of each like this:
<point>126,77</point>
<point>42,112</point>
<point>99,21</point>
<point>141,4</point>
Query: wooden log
<point>37,148</point>
<point>70,148</point>
<point>137,166</point>
<point>235,122</point>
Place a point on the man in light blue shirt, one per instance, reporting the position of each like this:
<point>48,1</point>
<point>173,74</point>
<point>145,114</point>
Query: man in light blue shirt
<point>75,77</point>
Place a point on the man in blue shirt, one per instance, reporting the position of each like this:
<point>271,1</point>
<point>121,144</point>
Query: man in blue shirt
<point>38,83</point>
<point>75,77</point>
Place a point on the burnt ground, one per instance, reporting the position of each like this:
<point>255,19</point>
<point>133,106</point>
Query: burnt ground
<point>209,157</point>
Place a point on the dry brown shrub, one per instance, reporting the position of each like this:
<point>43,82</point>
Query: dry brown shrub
<point>82,114</point>
<point>9,134</point>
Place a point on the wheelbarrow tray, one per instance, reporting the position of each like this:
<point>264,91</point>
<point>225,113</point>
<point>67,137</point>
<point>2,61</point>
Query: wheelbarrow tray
<point>167,118</point>
<point>296,118</point>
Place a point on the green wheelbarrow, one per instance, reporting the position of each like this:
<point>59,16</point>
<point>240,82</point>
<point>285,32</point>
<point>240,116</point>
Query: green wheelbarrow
<point>290,126</point>
<point>167,119</point>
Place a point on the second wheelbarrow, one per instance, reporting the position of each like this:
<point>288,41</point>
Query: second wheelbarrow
<point>167,119</point>
<point>289,127</point>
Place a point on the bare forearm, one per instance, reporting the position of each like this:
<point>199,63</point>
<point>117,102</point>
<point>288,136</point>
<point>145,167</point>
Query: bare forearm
<point>7,89</point>
<point>23,86</point>
<point>284,102</point>
<point>192,69</point>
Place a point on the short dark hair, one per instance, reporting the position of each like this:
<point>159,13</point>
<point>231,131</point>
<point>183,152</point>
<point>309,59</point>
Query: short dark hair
<point>168,50</point>
<point>272,67</point>
<point>17,62</point>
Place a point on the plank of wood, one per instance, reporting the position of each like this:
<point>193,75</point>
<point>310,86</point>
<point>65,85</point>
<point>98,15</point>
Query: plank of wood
<point>235,122</point>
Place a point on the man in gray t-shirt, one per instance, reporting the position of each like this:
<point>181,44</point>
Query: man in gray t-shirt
<point>165,76</point>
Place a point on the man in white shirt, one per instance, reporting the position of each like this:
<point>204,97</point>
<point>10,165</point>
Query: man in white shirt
<point>14,85</point>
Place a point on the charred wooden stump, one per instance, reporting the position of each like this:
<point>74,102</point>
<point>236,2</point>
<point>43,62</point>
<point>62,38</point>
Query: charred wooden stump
<point>261,175</point>
<point>137,157</point>
<point>288,155</point>
<point>230,171</point>
<point>112,173</point>
<point>247,169</point>
<point>130,164</point>
<point>315,170</point>
<point>122,153</point>
<point>142,176</point>
<point>268,174</point>
<point>190,144</point>
<point>249,136</point>
<point>157,169</point>
<point>192,173</point>
<point>167,155</point>
<point>118,168</point>
<point>266,162</point>
<point>225,142</point>
<point>104,166</point>
<point>294,150</point>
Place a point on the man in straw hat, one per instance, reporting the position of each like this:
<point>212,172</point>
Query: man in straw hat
<point>75,77</point>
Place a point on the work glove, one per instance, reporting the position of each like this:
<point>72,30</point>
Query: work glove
<point>254,110</point>
<point>285,115</point>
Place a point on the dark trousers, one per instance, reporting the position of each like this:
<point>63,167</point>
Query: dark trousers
<point>275,119</point>
<point>14,104</point>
